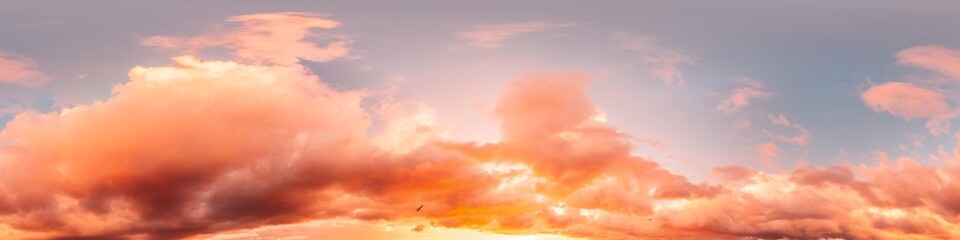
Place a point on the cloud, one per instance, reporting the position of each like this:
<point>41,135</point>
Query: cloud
<point>292,149</point>
<point>665,61</point>
<point>905,100</point>
<point>740,97</point>
<point>492,36</point>
<point>189,159</point>
<point>800,139</point>
<point>13,106</point>
<point>940,59</point>
<point>920,99</point>
<point>267,38</point>
<point>911,102</point>
<point>205,147</point>
<point>767,152</point>
<point>20,70</point>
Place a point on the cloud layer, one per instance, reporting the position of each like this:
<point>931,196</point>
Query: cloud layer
<point>923,99</point>
<point>185,156</point>
<point>204,147</point>
<point>749,90</point>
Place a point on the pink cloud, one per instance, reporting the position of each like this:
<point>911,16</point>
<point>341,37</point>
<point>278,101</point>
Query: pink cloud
<point>665,61</point>
<point>741,97</point>
<point>940,59</point>
<point>911,102</point>
<point>20,70</point>
<point>267,38</point>
<point>294,150</point>
<point>492,36</point>
<point>767,153</point>
<point>12,108</point>
<point>800,138</point>
<point>905,100</point>
<point>201,147</point>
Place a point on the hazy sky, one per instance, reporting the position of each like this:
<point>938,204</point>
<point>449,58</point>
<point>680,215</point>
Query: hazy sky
<point>614,110</point>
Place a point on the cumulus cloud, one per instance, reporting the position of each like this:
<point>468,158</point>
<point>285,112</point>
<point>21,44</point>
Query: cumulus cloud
<point>767,153</point>
<point>175,153</point>
<point>204,147</point>
<point>20,70</point>
<point>187,157</point>
<point>665,61</point>
<point>492,36</point>
<point>13,107</point>
<point>740,97</point>
<point>267,38</point>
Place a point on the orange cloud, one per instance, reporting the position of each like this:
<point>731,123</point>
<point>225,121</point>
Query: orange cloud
<point>174,153</point>
<point>888,201</point>
<point>202,160</point>
<point>492,36</point>
<point>12,108</point>
<point>267,38</point>
<point>665,60</point>
<point>940,59</point>
<point>738,98</point>
<point>20,70</point>
<point>202,148</point>
<point>199,160</point>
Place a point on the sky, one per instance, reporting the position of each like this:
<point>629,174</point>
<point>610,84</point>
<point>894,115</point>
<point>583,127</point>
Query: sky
<point>479,120</point>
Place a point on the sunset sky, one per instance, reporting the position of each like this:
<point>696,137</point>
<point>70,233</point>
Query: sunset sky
<point>503,119</point>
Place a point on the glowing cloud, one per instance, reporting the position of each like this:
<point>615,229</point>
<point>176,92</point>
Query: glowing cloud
<point>267,38</point>
<point>20,70</point>
<point>202,162</point>
<point>801,138</point>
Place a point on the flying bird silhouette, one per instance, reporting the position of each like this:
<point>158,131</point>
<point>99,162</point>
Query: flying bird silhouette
<point>418,209</point>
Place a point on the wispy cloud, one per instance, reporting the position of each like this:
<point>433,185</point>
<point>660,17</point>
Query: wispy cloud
<point>492,36</point>
<point>665,61</point>
<point>262,145</point>
<point>20,70</point>
<point>275,38</point>
<point>748,90</point>
<point>920,99</point>
<point>939,59</point>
